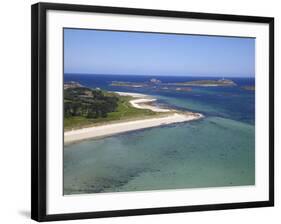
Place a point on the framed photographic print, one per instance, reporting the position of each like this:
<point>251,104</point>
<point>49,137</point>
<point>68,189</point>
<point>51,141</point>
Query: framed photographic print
<point>138,111</point>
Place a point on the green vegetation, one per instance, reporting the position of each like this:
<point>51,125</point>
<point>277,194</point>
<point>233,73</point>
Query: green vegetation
<point>85,102</point>
<point>86,107</point>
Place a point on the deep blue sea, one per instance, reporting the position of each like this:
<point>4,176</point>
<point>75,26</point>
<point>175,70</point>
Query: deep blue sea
<point>216,151</point>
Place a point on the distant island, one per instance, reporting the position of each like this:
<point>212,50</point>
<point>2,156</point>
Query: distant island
<point>207,83</point>
<point>152,82</point>
<point>95,113</point>
<point>155,83</point>
<point>250,88</point>
<point>128,84</point>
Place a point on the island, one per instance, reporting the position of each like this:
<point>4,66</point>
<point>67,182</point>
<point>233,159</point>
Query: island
<point>128,84</point>
<point>155,84</point>
<point>206,83</point>
<point>250,88</point>
<point>177,86</point>
<point>95,113</point>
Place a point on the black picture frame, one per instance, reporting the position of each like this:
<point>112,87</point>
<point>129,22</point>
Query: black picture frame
<point>38,108</point>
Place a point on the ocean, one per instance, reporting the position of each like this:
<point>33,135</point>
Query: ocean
<point>216,151</point>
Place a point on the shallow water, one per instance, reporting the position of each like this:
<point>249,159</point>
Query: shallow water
<point>216,151</point>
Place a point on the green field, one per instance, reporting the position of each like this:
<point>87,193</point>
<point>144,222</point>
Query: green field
<point>124,112</point>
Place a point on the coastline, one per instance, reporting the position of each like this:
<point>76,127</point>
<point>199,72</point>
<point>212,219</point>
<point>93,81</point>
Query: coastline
<point>140,101</point>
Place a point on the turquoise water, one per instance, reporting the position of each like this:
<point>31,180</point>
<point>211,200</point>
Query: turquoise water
<point>216,151</point>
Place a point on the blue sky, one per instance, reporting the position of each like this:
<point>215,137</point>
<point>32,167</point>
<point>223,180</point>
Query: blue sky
<point>112,52</point>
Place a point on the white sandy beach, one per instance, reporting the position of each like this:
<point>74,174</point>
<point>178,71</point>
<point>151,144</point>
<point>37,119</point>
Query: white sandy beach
<point>142,102</point>
<point>126,126</point>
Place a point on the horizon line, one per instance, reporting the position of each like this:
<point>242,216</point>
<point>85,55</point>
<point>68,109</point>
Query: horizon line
<point>70,73</point>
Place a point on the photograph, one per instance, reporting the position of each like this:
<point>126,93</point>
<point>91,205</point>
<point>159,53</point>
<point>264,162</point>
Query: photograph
<point>153,111</point>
